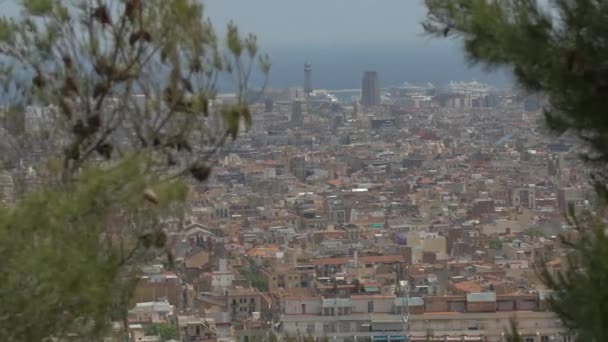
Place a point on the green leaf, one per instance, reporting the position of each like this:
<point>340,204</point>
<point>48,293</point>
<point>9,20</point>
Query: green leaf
<point>38,7</point>
<point>234,41</point>
<point>265,63</point>
<point>232,119</point>
<point>7,30</point>
<point>171,192</point>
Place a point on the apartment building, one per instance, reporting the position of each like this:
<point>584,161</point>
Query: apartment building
<point>482,317</point>
<point>288,277</point>
<point>329,267</point>
<point>243,302</point>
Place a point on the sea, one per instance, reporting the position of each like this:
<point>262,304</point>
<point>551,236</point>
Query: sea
<point>340,66</point>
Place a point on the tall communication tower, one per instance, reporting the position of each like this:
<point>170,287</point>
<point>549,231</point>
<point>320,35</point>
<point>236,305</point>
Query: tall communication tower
<point>307,78</point>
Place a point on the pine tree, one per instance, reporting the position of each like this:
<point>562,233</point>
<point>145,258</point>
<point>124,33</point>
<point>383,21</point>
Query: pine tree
<point>556,49</point>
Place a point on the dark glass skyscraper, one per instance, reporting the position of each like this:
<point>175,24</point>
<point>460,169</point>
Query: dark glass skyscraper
<point>307,78</point>
<point>370,89</point>
<point>296,112</point>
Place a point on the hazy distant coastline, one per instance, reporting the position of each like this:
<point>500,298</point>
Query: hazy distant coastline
<point>339,66</point>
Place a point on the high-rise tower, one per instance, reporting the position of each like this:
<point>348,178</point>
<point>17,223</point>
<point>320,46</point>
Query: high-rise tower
<point>307,78</point>
<point>370,89</point>
<point>268,105</point>
<point>296,112</point>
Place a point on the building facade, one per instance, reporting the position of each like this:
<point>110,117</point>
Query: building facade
<point>243,302</point>
<point>482,317</point>
<point>370,89</point>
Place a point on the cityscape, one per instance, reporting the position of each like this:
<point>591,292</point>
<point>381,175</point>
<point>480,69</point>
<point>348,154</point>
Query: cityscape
<point>402,212</point>
<point>381,212</point>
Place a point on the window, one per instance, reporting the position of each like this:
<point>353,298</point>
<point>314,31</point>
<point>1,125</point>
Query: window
<point>344,327</point>
<point>303,308</point>
<point>473,325</point>
<point>363,327</point>
<point>329,328</point>
<point>251,300</point>
<point>310,328</point>
<point>544,339</point>
<point>529,339</point>
<point>370,306</point>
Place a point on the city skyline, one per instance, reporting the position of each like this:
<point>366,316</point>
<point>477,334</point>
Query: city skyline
<point>386,37</point>
<point>372,185</point>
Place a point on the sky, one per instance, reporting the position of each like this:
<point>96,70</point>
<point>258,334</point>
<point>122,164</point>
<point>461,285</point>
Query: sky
<point>324,22</point>
<point>318,22</point>
<point>342,38</point>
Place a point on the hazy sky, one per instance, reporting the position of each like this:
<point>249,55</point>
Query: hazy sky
<point>287,22</point>
<point>342,38</point>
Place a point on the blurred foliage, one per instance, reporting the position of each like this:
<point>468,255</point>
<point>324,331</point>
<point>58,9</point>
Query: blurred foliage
<point>164,330</point>
<point>129,92</point>
<point>557,49</point>
<point>14,120</point>
<point>256,279</point>
<point>579,295</point>
<point>63,258</point>
<point>554,48</point>
<point>496,244</point>
<point>129,75</point>
<point>535,233</point>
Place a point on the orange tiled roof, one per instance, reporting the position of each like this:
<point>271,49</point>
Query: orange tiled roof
<point>336,182</point>
<point>334,234</point>
<point>468,287</point>
<point>262,251</point>
<point>370,220</point>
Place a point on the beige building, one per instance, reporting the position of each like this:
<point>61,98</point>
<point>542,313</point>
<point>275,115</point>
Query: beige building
<point>243,302</point>
<point>421,242</point>
<point>197,329</point>
<point>482,317</point>
<point>286,276</point>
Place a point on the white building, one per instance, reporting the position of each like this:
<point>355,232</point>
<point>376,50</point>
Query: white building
<point>222,278</point>
<point>151,312</point>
